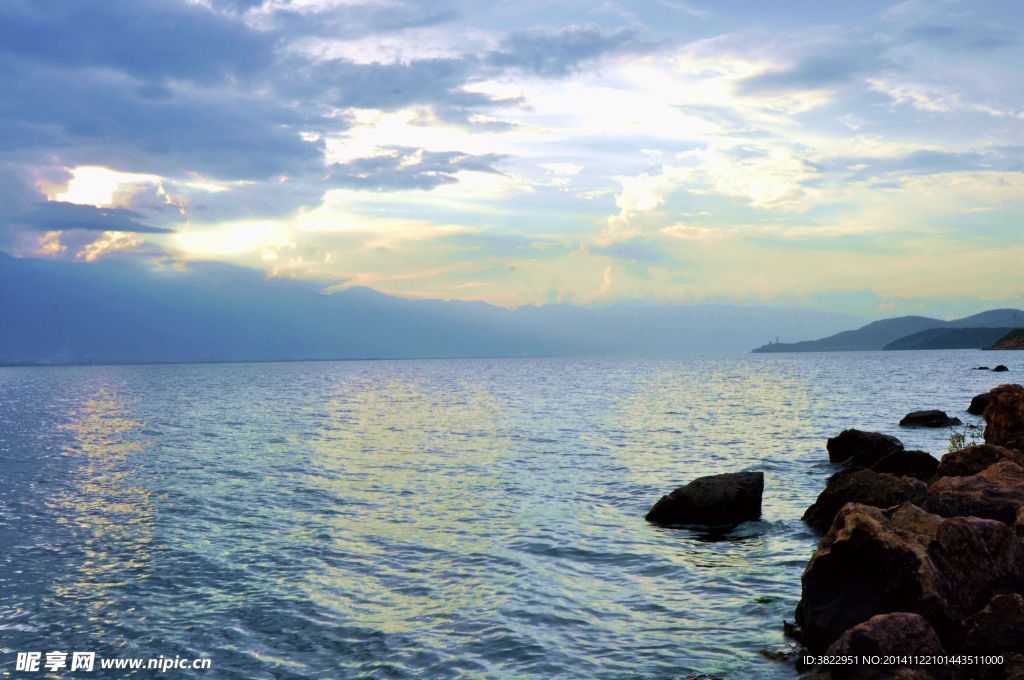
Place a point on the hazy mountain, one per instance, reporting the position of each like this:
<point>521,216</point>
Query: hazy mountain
<point>129,311</point>
<point>878,334</point>
<point>950,338</point>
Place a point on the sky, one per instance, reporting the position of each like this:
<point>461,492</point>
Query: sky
<point>866,158</point>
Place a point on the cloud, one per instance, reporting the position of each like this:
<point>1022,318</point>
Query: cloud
<point>399,168</point>
<point>559,53</point>
<point>969,37</point>
<point>838,65</point>
<point>60,216</point>
<point>929,161</point>
<point>154,40</point>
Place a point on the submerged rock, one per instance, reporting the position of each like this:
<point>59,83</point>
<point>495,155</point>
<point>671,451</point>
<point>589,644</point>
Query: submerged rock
<point>979,403</point>
<point>997,492</point>
<point>1004,417</point>
<point>904,559</point>
<point>717,499</point>
<point>1000,369</point>
<point>861,486</point>
<point>999,627</point>
<point>895,634</point>
<point>974,459</point>
<point>918,464</point>
<point>930,418</point>
<point>981,368</point>
<point>861,448</point>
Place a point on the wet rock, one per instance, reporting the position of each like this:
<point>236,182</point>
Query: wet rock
<point>1004,417</point>
<point>981,368</point>
<point>930,418</point>
<point>918,464</point>
<point>979,403</point>
<point>861,448</point>
<point>904,559</point>
<point>717,499</point>
<point>997,492</point>
<point>973,459</point>
<point>791,630</point>
<point>861,486</point>
<point>897,633</point>
<point>1000,369</point>
<point>999,627</point>
<point>788,653</point>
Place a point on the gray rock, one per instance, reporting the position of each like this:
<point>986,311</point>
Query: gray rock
<point>929,418</point>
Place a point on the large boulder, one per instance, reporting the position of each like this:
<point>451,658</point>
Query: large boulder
<point>930,418</point>
<point>717,499</point>
<point>904,559</point>
<point>979,403</point>
<point>997,492</point>
<point>971,460</point>
<point>895,634</point>
<point>1000,369</point>
<point>999,627</point>
<point>1004,417</point>
<point>861,448</point>
<point>861,486</point>
<point>918,464</point>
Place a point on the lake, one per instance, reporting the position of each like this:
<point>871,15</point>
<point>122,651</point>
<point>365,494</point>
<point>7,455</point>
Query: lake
<point>450,518</point>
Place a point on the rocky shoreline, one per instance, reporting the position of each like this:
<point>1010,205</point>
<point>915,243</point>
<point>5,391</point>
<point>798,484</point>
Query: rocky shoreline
<point>919,557</point>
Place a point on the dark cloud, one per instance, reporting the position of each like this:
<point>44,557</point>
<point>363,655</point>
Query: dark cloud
<point>103,119</point>
<point>151,39</point>
<point>1002,159</point>
<point>61,216</point>
<point>559,53</point>
<point>347,21</point>
<point>965,37</point>
<point>408,168</point>
<point>818,71</point>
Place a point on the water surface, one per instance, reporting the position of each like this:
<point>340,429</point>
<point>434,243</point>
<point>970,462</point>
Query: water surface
<point>470,518</point>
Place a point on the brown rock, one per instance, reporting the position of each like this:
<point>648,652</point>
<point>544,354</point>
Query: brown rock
<point>973,459</point>
<point>997,492</point>
<point>1004,417</point>
<point>861,486</point>
<point>999,627</point>
<point>862,449</point>
<point>918,464</point>
<point>898,633</point>
<point>904,559</point>
<point>979,403</point>
<point>716,499</point>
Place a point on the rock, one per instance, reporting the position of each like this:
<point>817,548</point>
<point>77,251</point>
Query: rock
<point>861,486</point>
<point>904,559</point>
<point>899,634</point>
<point>981,368</point>
<point>973,459</point>
<point>999,627</point>
<point>717,499</point>
<point>1000,369</point>
<point>863,449</point>
<point>931,418</point>
<point>979,403</point>
<point>997,492</point>
<point>1004,417</point>
<point>918,464</point>
<point>788,653</point>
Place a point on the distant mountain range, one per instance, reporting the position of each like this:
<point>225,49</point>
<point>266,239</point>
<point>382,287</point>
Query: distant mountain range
<point>913,332</point>
<point>128,311</point>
